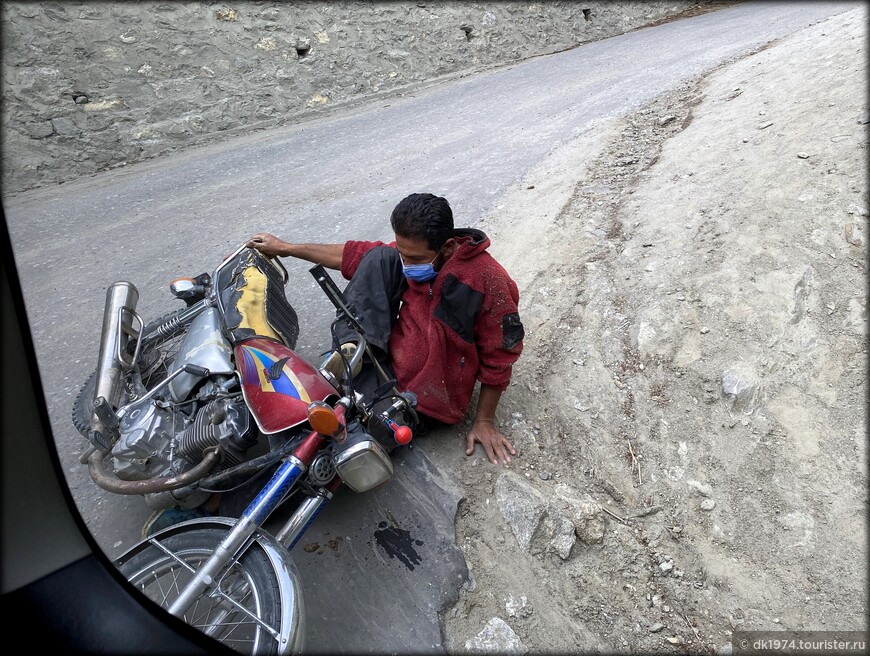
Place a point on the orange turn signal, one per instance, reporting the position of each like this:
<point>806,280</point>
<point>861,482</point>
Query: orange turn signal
<point>322,418</point>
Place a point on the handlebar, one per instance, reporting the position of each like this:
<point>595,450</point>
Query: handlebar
<point>345,312</point>
<point>336,297</point>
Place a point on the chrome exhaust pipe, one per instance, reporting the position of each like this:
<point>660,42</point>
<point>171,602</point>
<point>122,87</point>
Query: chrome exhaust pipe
<point>118,317</point>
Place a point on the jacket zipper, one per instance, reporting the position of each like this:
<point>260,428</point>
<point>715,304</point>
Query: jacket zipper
<point>430,291</point>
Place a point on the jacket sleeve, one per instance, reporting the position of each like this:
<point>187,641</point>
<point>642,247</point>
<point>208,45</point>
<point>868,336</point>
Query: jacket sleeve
<point>353,254</point>
<point>498,331</point>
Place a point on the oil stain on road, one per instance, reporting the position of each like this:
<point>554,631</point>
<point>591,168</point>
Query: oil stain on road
<point>398,543</point>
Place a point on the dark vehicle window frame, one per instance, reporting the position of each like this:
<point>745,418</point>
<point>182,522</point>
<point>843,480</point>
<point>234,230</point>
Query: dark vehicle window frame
<point>54,576</point>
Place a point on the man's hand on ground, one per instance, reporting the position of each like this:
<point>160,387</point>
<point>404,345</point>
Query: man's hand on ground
<point>494,443</point>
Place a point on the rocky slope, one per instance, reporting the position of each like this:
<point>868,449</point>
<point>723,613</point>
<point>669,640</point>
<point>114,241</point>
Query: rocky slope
<point>689,410</point>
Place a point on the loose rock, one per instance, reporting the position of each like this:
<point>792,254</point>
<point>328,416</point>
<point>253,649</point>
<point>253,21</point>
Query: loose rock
<point>701,488</point>
<point>497,637</point>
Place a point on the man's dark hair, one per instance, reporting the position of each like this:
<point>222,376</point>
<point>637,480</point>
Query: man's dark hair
<point>424,217</point>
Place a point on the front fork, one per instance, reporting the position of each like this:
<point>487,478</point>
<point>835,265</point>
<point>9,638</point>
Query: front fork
<point>309,509</point>
<point>283,480</point>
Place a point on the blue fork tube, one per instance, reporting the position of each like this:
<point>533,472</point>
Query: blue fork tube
<point>267,500</point>
<point>293,467</point>
<point>306,512</point>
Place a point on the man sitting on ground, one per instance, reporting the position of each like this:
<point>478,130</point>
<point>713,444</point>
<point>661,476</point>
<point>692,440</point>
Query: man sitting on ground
<point>436,306</point>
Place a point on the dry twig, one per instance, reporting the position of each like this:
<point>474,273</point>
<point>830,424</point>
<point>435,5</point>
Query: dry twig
<point>694,630</point>
<point>616,517</point>
<point>635,463</point>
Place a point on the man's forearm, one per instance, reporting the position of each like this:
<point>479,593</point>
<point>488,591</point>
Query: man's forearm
<point>487,403</point>
<point>329,255</point>
<point>484,430</point>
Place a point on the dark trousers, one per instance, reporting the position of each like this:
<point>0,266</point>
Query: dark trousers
<point>375,295</point>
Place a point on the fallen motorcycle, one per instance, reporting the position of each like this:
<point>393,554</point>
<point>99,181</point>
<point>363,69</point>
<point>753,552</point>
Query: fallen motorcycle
<point>203,401</point>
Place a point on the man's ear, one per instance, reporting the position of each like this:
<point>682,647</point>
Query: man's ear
<point>449,248</point>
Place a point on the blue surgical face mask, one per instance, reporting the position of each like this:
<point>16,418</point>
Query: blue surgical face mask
<point>420,272</point>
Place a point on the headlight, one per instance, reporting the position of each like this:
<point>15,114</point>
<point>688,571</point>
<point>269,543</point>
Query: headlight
<point>364,465</point>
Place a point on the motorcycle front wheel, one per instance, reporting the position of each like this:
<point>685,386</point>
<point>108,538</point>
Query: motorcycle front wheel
<point>242,610</point>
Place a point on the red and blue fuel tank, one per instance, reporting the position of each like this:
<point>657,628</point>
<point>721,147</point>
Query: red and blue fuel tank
<point>278,384</point>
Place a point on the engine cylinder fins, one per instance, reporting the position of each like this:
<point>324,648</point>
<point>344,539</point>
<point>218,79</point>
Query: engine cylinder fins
<point>322,469</point>
<point>220,423</point>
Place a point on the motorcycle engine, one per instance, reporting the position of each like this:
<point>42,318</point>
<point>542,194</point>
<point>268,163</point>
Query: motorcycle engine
<point>143,449</point>
<point>222,422</point>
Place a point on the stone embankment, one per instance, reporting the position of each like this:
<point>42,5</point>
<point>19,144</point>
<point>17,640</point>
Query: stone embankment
<point>89,86</point>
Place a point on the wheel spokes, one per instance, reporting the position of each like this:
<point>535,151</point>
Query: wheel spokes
<point>230,613</point>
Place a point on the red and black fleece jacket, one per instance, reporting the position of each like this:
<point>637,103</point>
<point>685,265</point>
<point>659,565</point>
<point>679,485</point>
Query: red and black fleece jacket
<point>460,328</point>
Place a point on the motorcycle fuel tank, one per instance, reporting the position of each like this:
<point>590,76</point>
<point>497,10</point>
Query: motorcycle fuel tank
<point>278,384</point>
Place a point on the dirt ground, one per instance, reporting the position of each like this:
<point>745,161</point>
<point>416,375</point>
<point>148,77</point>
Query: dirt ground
<point>689,410</point>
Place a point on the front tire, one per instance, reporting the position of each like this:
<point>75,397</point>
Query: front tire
<point>245,602</point>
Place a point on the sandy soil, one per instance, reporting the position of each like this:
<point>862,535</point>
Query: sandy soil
<point>689,409</point>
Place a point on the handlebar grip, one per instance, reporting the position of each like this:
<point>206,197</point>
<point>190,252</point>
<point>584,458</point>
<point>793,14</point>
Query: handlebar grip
<point>403,435</point>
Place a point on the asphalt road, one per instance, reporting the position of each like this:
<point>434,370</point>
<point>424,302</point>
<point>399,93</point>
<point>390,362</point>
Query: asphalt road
<point>327,180</point>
